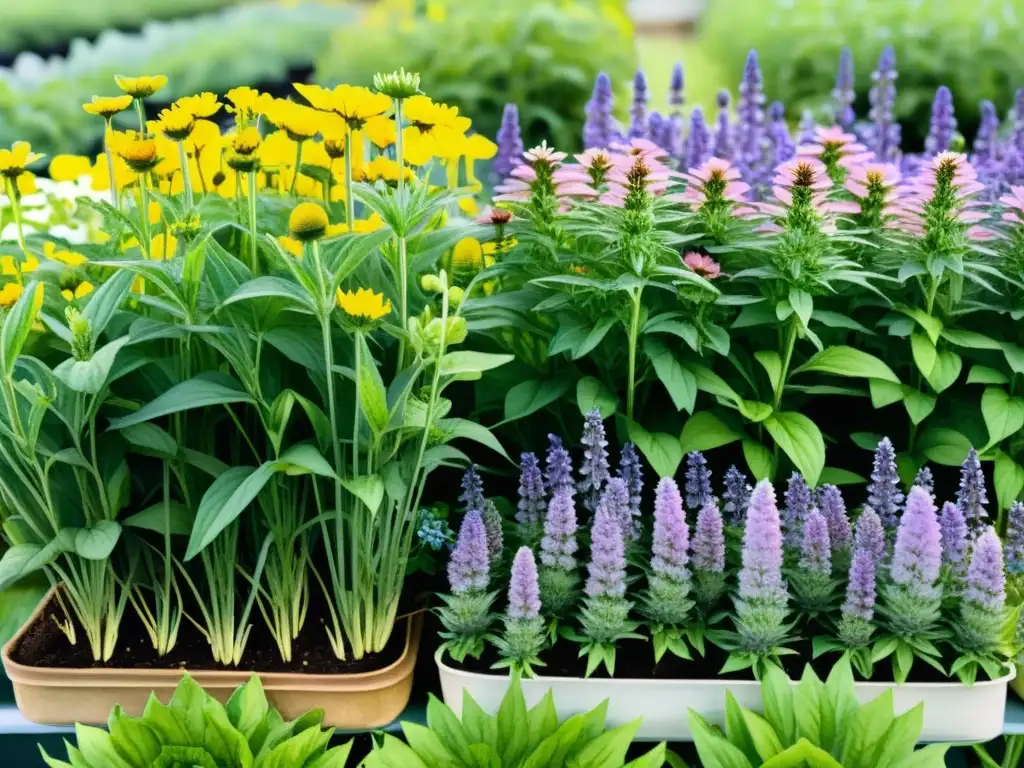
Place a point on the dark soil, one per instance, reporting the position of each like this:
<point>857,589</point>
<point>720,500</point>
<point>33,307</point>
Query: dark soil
<point>634,660</point>
<point>45,645</point>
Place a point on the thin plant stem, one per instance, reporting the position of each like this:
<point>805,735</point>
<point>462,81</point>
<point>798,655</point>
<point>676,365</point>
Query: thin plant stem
<point>298,164</point>
<point>12,195</point>
<point>356,405</point>
<point>399,156</point>
<point>141,109</point>
<point>350,204</point>
<point>115,198</point>
<point>787,358</point>
<point>254,255</point>
<point>144,224</point>
<point>634,332</point>
<point>186,179</point>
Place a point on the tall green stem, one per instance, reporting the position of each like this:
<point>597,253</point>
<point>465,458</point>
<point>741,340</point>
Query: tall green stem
<point>787,358</point>
<point>186,179</point>
<point>144,215</point>
<point>356,405</point>
<point>634,332</point>
<point>350,204</point>
<point>115,198</point>
<point>399,157</point>
<point>298,164</point>
<point>253,254</point>
<point>141,109</point>
<point>12,195</point>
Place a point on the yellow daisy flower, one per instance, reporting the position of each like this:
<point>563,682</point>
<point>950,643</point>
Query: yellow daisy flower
<point>381,131</point>
<point>107,106</point>
<point>353,103</point>
<point>15,160</point>
<point>468,254</point>
<point>177,123</point>
<point>141,87</point>
<point>84,288</point>
<point>383,169</point>
<point>291,245</point>
<point>140,152</point>
<point>69,167</point>
<point>9,294</point>
<point>308,221</point>
<point>243,152</point>
<point>299,122</point>
<point>201,105</point>
<point>245,103</point>
<point>363,304</point>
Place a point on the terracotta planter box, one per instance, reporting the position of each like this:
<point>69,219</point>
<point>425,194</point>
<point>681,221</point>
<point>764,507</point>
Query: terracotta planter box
<point>355,702</point>
<point>952,711</point>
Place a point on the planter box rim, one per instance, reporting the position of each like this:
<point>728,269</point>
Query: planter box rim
<point>128,677</point>
<point>712,682</point>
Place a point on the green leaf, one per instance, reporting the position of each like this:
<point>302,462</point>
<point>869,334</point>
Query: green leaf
<point>1003,415</point>
<point>533,394</point>
<point>710,382</point>
<point>274,287</point>
<point>924,353</point>
<point>1014,356</point>
<point>847,361</point>
<point>662,451</point>
<point>837,476</point>
<point>837,320</point>
<point>151,440</point>
<point>97,542</point>
<point>427,745</point>
<point>608,750</point>
<point>714,750</point>
<point>455,429</point>
<point>153,518</point>
<point>772,364</point>
<point>918,404</point>
<point>106,300</point>
<point>198,392</point>
<point>90,375</point>
<point>15,563</point>
<point>931,325</point>
<point>801,440</point>
<point>369,489</point>
<point>594,337</point>
<point>679,381</point>
<point>777,694</point>
<point>704,431</point>
<point>867,731</point>
<point>454,363</point>
<point>930,756</point>
<point>901,737</point>
<point>945,371</point>
<point>766,741</point>
<point>944,446</point>
<point>592,393</point>
<point>97,747</point>
<point>884,393</point>
<point>969,339</point>
<point>225,499</point>
<point>303,459</point>
<point>760,460</point>
<point>802,304</point>
<point>372,394</point>
<point>754,411</point>
<point>736,730</point>
<point>1008,478</point>
<point>981,374</point>
<point>17,324</point>
<point>685,331</point>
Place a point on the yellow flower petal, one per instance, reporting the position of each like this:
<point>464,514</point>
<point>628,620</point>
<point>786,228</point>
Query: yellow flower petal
<point>69,167</point>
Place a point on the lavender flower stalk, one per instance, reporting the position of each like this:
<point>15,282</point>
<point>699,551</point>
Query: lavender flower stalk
<point>807,128</point>
<point>638,112</point>
<point>675,88</point>
<point>667,601</point>
<point>472,496</point>
<point>844,94</point>
<point>523,638</point>
<point>466,615</point>
<point>798,505</point>
<point>600,128</point>
<point>925,479</point>
<point>723,144</point>
<point>558,468</point>
<point>735,496</point>
<point>762,600</point>
<point>594,470</point>
<point>912,601</point>
<point>953,529</point>
<point>885,132</point>
<point>510,143</point>
<point>632,475</point>
<point>698,481</point>
<point>943,123</point>
<point>604,619</point>
<point>812,578</point>
<point>750,114</point>
<point>858,612</point>
<point>708,557</point>
<point>495,537</point>
<point>832,506</point>
<point>532,504</point>
<point>697,147</point>
<point>1015,539</point>
<point>986,143</point>
<point>870,534</point>
<point>783,146</point>
<point>972,496</point>
<point>559,581</point>
<point>983,608</point>
<point>884,493</point>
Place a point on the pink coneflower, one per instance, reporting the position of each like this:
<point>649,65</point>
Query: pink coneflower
<point>1015,202</point>
<point>544,167</point>
<point>596,163</point>
<point>642,147</point>
<point>951,175</point>
<point>713,181</point>
<point>834,145</point>
<point>545,153</point>
<point>703,265</point>
<point>874,185</point>
<point>496,216</point>
<point>633,173</point>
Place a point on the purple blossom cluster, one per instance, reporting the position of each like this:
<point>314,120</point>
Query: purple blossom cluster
<point>884,494</point>
<point>531,491</point>
<point>594,469</point>
<point>972,497</point>
<point>1015,539</point>
<point>698,481</point>
<point>798,506</point>
<point>736,495</point>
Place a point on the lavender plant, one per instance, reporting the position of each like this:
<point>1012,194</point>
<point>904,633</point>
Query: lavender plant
<point>953,529</point>
<point>708,559</point>
<point>811,580</point>
<point>523,638</point>
<point>594,469</point>
<point>532,504</point>
<point>466,615</point>
<point>735,496</point>
<point>884,494</point>
<point>698,481</point>
<point>559,580</point>
<point>632,475</point>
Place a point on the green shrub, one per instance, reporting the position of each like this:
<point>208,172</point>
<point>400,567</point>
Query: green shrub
<point>973,47</point>
<point>46,23</point>
<point>542,56</point>
<point>41,101</point>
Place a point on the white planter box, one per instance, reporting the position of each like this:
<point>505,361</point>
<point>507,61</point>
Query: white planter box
<point>952,711</point>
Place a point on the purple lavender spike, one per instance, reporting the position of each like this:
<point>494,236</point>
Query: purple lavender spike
<point>816,548</point>
<point>671,534</point>
<point>509,141</point>
<point>723,144</point>
<point>750,114</point>
<point>531,491</point>
<point>469,563</point>
<point>600,128</point>
<point>523,588</point>
<point>761,575</point>
<point>844,94</point>
<point>798,505</point>
<point>698,481</point>
<point>943,123</point>
<point>559,546</point>
<point>558,468</point>
<point>972,496</point>
<point>884,493</point>
<point>805,130</point>
<point>607,569</point>
<point>632,475</point>
<point>1015,539</point>
<point>953,529</point>
<point>885,133</point>
<point>986,583</point>
<point>783,146</point>
<point>697,149</point>
<point>860,589</point>
<point>708,544</point>
<point>986,143</point>
<point>594,469</point>
<point>870,534</point>
<point>615,501</point>
<point>472,496</point>
<point>638,112</point>
<point>917,556</point>
<point>830,501</point>
<point>675,91</point>
<point>736,496</point>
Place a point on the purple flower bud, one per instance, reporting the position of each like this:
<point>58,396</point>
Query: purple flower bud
<point>816,549</point>
<point>558,547</point>
<point>761,575</point>
<point>492,526</point>
<point>657,129</point>
<point>607,569</point>
<point>860,589</point>
<point>832,506</point>
<point>954,536</point>
<point>558,468</point>
<point>638,112</point>
<point>472,495</point>
<point>632,475</point>
<point>723,144</point>
<point>698,144</point>
<point>943,124</point>
<point>509,141</point>
<point>1012,171</point>
<point>736,496</point>
<point>1017,136</point>
<point>675,92</point>
<point>917,557</point>
<point>594,470</point>
<point>798,505</point>
<point>531,491</point>
<point>671,534</point>
<point>972,496</point>
<point>600,128</point>
<point>884,493</point>
<point>523,588</point>
<point>468,565</point>
<point>885,133</point>
<point>986,584</point>
<point>986,143</point>
<point>870,534</point>
<point>615,501</point>
<point>783,146</point>
<point>1015,538</point>
<point>708,547</point>
<point>924,479</point>
<point>844,94</point>
<point>698,481</point>
<point>750,114</point>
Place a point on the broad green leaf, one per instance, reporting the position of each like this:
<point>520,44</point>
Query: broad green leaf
<point>680,382</point>
<point>98,541</point>
<point>837,320</point>
<point>837,476</point>
<point>594,337</point>
<point>801,440</point>
<point>710,382</point>
<point>714,750</point>
<point>884,393</point>
<point>867,440</point>
<point>97,747</point>
<point>454,363</point>
<point>736,728</point>
<point>760,460</point>
<point>369,489</point>
<point>274,287</point>
<point>533,394</point>
<point>592,393</point>
<point>918,404</point>
<point>945,370</point>
<point>901,737</point>
<point>685,331</point>
<point>513,725</point>
<point>772,364</point>
<point>17,324</point>
<point>155,518</point>
<point>944,446</point>
<point>930,756</point>
<point>372,395</point>
<point>932,325</point>
<point>969,339</point>
<point>198,392</point>
<point>1014,356</point>
<point>766,741</point>
<point>606,751</point>
<point>924,353</point>
<point>106,300</point>
<point>454,429</point>
<point>1008,478</point>
<point>90,375</point>
<point>15,562</point>
<point>777,694</point>
<point>754,411</point>
<point>847,361</point>
<point>803,754</point>
<point>225,499</point>
<point>981,374</point>
<point>867,731</point>
<point>151,440</point>
<point>662,451</point>
<point>802,304</point>
<point>427,745</point>
<point>1003,415</point>
<point>302,459</point>
<point>135,740</point>
<point>704,431</point>
<point>654,759</point>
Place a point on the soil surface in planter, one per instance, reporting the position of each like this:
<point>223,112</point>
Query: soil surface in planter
<point>634,660</point>
<point>45,645</point>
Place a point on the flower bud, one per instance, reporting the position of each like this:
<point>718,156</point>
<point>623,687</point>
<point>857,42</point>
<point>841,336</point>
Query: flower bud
<point>397,85</point>
<point>431,284</point>
<point>455,296</point>
<point>81,334</point>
